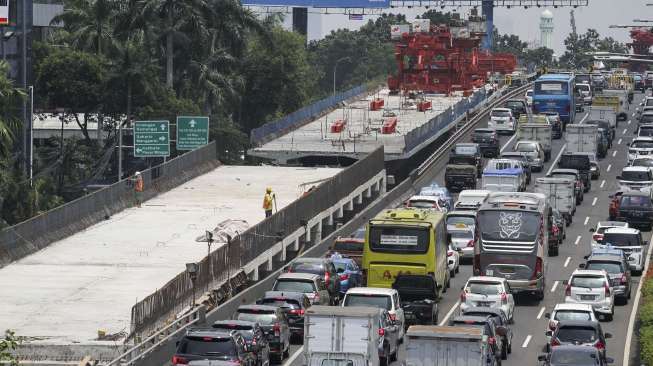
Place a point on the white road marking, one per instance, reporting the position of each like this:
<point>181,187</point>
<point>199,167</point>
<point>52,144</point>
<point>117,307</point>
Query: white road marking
<point>602,183</point>
<point>594,201</point>
<point>628,121</point>
<point>446,317</point>
<point>609,166</point>
<point>555,162</point>
<point>587,219</point>
<point>539,315</point>
<point>555,286</point>
<point>625,129</point>
<point>584,118</point>
<point>528,339</point>
<point>633,313</point>
<point>505,146</point>
<point>633,115</point>
<point>577,240</point>
<point>567,261</point>
<point>294,356</point>
<point>619,142</point>
<point>614,153</point>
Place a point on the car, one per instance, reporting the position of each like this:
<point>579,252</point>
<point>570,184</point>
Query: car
<point>574,174</point>
<point>384,298</point>
<point>645,162</point>
<point>645,130</point>
<point>453,261</point>
<point>556,123</point>
<point>604,125</point>
<point>618,269</point>
<point>419,299</point>
<point>273,322</point>
<point>585,91</point>
<point>467,154</point>
<point>529,97</point>
<point>534,150</point>
<point>254,336</point>
<point>595,169</point>
<point>350,246</point>
<point>501,320</point>
<point>490,329</point>
<point>308,283</point>
<point>636,178</point>
<point>574,355</point>
<point>593,288</point>
<point>646,117</point>
<point>601,227</point>
<point>563,312</point>
<point>488,140</point>
<point>471,199</point>
<point>388,338</point>
<point>462,242</point>
<point>322,267</point>
<point>486,291</point>
<point>640,147</point>
<point>635,208</point>
<point>526,160</point>
<point>213,344</point>
<point>629,240</point>
<point>585,333</point>
<point>428,202</point>
<point>581,162</point>
<point>349,272</point>
<point>558,224</point>
<point>502,120</point>
<point>517,106</point>
<point>294,305</point>
<point>441,192</point>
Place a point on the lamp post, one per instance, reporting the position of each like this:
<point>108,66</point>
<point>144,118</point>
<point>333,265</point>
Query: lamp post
<point>192,269</point>
<point>209,241</point>
<point>335,67</point>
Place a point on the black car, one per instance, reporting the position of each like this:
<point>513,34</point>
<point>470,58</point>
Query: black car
<point>321,267</point>
<point>488,140</point>
<point>585,333</point>
<point>419,297</point>
<point>213,344</point>
<point>500,319</point>
<point>294,304</point>
<point>580,162</point>
<point>458,177</point>
<point>517,106</point>
<point>574,355</point>
<point>274,323</point>
<point>524,158</point>
<point>604,125</point>
<point>636,209</point>
<point>467,154</point>
<point>257,342</point>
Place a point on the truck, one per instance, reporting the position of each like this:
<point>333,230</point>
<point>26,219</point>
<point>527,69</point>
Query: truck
<point>561,195</point>
<point>582,138</point>
<point>458,177</point>
<point>448,346</point>
<point>342,335</point>
<point>540,132</point>
<point>622,94</point>
<point>605,108</point>
<point>502,180</point>
<point>419,297</point>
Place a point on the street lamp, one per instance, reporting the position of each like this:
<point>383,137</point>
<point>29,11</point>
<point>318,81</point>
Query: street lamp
<point>192,269</point>
<point>334,72</point>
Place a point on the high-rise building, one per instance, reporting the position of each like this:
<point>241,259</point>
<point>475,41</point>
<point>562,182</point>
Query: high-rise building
<point>546,29</point>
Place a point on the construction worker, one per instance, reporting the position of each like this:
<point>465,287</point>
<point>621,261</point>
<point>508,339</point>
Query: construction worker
<point>268,201</point>
<point>138,188</point>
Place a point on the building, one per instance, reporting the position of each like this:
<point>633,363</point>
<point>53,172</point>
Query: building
<point>546,29</point>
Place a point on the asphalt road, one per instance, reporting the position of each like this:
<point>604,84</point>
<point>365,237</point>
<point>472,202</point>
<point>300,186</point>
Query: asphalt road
<point>528,330</point>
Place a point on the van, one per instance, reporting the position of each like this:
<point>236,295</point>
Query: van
<point>561,195</point>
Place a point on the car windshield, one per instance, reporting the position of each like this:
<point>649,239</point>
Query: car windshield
<point>483,134</point>
<point>262,317</point>
<point>572,357</point>
<point>610,267</point>
<point>509,225</point>
<point>622,240</point>
<point>635,201</point>
<point>526,147</point>
<point>464,221</point>
<point>348,246</point>
<point>340,266</point>
<point>307,267</point>
<point>551,88</point>
<point>577,334</point>
<point>529,93</point>
<point>587,281</point>
<point>465,150</point>
<point>484,288</point>
<point>636,175</point>
<point>418,203</point>
<point>643,162</point>
<point>207,346</point>
<point>377,301</point>
<point>572,315</point>
<point>646,132</point>
<point>500,113</point>
<point>647,118</point>
<point>642,145</point>
<point>337,362</point>
<point>294,286</point>
<point>461,234</point>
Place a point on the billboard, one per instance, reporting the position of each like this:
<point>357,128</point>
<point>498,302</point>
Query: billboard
<point>320,3</point>
<point>4,12</point>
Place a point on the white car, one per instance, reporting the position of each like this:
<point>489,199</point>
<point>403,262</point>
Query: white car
<point>462,241</point>
<point>529,97</point>
<point>641,147</point>
<point>502,120</point>
<point>471,199</point>
<point>384,298</point>
<point>427,202</point>
<point>586,91</point>
<point>591,287</point>
<point>534,150</point>
<point>636,178</point>
<point>601,227</point>
<point>453,261</point>
<point>630,241</point>
<point>486,291</point>
<point>566,312</point>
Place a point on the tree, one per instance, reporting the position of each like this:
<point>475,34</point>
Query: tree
<point>438,17</point>
<point>10,96</point>
<point>580,47</point>
<point>7,346</point>
<point>537,58</point>
<point>88,24</point>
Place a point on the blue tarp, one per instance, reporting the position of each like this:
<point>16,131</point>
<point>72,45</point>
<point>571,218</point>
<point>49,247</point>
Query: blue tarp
<point>510,171</point>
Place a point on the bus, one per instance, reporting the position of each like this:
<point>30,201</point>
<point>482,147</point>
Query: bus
<point>406,241</point>
<point>512,237</point>
<point>555,93</point>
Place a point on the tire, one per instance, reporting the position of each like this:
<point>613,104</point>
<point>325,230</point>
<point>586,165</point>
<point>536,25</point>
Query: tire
<point>510,347</point>
<point>393,357</point>
<point>286,353</point>
<point>458,268</point>
<point>504,352</point>
<point>610,316</point>
<point>452,274</point>
<point>383,361</point>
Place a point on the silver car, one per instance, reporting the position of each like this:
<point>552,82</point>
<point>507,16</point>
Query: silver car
<point>534,151</point>
<point>591,287</point>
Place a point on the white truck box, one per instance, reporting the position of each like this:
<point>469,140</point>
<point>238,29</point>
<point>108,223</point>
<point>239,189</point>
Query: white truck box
<point>581,138</point>
<point>447,346</point>
<point>603,113</point>
<point>560,194</point>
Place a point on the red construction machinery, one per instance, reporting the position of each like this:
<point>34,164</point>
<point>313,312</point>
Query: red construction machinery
<point>642,42</point>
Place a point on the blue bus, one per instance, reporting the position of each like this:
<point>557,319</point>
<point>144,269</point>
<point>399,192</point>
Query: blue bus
<point>555,93</point>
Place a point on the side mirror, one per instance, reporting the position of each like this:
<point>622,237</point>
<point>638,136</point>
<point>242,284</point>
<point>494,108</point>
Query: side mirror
<point>565,282</point>
<point>547,315</point>
<point>549,333</point>
<point>585,257</point>
<point>607,335</point>
<point>609,360</point>
<point>582,266</point>
<point>502,331</point>
<point>259,302</point>
<point>591,230</point>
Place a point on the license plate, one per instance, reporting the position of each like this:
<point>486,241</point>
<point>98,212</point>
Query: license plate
<point>587,297</point>
<point>484,304</point>
<point>507,270</point>
<point>409,316</point>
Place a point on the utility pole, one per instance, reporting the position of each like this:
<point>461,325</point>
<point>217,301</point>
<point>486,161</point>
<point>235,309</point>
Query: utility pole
<point>26,10</point>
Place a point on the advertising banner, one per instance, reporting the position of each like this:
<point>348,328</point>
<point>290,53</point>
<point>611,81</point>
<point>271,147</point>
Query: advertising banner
<point>321,3</point>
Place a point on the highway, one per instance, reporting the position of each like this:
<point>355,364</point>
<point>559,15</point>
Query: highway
<point>529,326</point>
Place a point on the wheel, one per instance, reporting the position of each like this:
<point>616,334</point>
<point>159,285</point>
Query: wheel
<point>628,298</point>
<point>510,347</point>
<point>458,268</point>
<point>504,352</point>
<point>610,316</point>
<point>286,353</point>
<point>393,357</point>
<point>452,273</point>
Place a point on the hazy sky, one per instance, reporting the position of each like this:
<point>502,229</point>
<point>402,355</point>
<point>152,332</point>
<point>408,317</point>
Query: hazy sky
<point>599,14</point>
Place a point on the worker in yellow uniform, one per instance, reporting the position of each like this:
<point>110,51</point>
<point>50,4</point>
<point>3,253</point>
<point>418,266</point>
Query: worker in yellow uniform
<point>138,188</point>
<point>268,201</point>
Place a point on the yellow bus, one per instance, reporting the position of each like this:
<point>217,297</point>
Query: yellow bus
<point>406,241</point>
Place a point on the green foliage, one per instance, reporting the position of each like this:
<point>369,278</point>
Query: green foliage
<point>646,321</point>
<point>579,47</point>
<point>231,142</point>
<point>646,344</point>
<point>8,345</point>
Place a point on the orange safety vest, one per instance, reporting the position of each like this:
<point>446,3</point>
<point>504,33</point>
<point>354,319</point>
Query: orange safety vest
<point>138,187</point>
<point>267,202</point>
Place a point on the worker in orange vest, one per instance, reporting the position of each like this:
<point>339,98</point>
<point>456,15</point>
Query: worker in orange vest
<point>138,188</point>
<point>268,200</point>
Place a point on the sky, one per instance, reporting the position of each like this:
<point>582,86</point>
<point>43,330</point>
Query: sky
<point>599,14</point>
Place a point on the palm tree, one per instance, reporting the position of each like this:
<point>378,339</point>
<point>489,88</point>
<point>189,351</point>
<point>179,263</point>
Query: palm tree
<point>89,23</point>
<point>231,21</point>
<point>10,97</point>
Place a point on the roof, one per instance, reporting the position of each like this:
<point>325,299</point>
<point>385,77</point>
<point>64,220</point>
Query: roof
<point>439,331</point>
<point>205,331</point>
<point>473,192</point>
<point>591,272</point>
<point>371,291</point>
<point>425,198</point>
<point>298,276</point>
<point>344,310</point>
<point>635,169</point>
<point>509,171</point>
<point>461,213</point>
<point>466,144</point>
<point>470,318</point>
<point>299,296</point>
<point>501,109</point>
<point>555,77</point>
<point>485,279</point>
<point>566,171</point>
<point>574,348</point>
<point>570,306</point>
<point>621,230</point>
<point>643,139</point>
<point>553,180</point>
<point>309,260</point>
<point>257,307</point>
<point>235,322</point>
<point>606,257</point>
<point>636,193</point>
<point>485,130</point>
<point>611,223</point>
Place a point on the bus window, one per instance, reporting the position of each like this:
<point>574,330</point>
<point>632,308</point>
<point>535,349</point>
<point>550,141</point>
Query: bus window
<point>551,88</point>
<point>509,225</point>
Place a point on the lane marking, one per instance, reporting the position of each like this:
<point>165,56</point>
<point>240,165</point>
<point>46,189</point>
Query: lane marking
<point>577,240</point>
<point>539,315</point>
<point>555,286</point>
<point>446,317</point>
<point>555,162</point>
<point>505,146</point>
<point>619,142</point>
<point>633,313</point>
<point>294,356</point>
<point>628,121</point>
<point>584,118</point>
<point>567,261</point>
<point>609,166</point>
<point>614,153</point>
<point>587,219</point>
<point>528,339</point>
<point>594,201</point>
<point>602,183</point>
<point>625,129</point>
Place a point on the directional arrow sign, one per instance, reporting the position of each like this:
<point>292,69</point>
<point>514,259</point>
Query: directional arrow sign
<point>192,132</point>
<point>151,138</point>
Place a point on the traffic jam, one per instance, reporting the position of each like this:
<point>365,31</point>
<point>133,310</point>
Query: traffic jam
<point>533,238</point>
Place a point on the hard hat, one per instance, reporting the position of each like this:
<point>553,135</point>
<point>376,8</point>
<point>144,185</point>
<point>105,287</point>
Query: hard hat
<point>138,173</point>
<point>268,189</point>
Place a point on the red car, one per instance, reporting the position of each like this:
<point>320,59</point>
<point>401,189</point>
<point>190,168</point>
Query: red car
<point>613,211</point>
<point>351,247</point>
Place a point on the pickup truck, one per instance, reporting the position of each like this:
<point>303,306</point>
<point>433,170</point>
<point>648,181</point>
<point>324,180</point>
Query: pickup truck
<point>459,177</point>
<point>449,346</point>
<point>467,153</point>
<point>419,297</point>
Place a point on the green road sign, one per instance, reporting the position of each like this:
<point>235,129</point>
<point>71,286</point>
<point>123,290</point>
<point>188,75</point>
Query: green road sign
<point>192,132</point>
<point>151,138</point>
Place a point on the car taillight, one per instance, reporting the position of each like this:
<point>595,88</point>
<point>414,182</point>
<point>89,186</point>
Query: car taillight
<point>449,253</point>
<point>552,325</point>
<point>554,229</point>
<point>555,342</point>
<point>600,345</point>
<point>623,280</point>
<point>176,360</point>
<point>470,244</point>
<point>597,237</point>
<point>393,317</point>
<point>277,329</point>
<point>327,277</point>
<point>537,273</point>
<point>578,184</point>
<point>568,290</point>
<point>344,276</point>
<point>463,297</point>
<point>381,332</point>
<point>316,298</point>
<point>297,311</point>
<point>504,298</point>
<point>491,340</point>
<point>607,289</point>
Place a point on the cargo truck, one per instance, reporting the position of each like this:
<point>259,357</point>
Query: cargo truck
<point>448,346</point>
<point>540,132</point>
<point>622,115</point>
<point>582,138</point>
<point>605,108</point>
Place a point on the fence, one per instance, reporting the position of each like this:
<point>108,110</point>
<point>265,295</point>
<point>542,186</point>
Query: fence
<point>442,120</point>
<point>38,232</point>
<point>276,128</point>
<point>229,258</point>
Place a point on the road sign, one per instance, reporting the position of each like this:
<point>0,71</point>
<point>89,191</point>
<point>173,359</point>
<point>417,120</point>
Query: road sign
<point>192,132</point>
<point>151,138</point>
